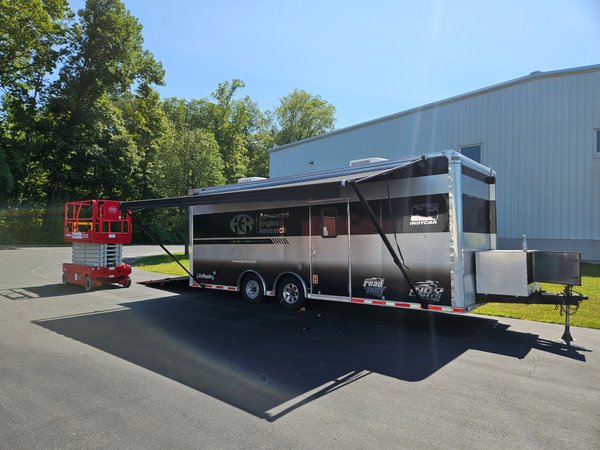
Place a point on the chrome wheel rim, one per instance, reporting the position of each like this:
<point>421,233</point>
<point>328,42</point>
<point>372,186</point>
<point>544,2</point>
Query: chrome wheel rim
<point>252,289</point>
<point>291,293</point>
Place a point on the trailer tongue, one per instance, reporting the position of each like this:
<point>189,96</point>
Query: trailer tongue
<point>321,236</point>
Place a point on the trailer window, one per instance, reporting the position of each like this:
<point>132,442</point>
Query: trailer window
<point>597,142</point>
<point>424,214</point>
<point>329,222</point>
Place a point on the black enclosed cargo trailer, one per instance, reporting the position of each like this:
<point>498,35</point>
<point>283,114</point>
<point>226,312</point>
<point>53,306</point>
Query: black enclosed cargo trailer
<point>404,234</point>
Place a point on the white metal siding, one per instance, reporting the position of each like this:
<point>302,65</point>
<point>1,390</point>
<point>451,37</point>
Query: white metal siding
<point>537,134</point>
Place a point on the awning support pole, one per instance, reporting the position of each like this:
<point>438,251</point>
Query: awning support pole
<point>141,224</point>
<point>385,240</point>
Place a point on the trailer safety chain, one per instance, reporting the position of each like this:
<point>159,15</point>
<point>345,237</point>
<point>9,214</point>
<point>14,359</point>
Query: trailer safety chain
<point>562,308</point>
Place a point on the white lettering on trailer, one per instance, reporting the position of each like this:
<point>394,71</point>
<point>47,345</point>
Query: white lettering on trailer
<point>272,223</point>
<point>205,276</point>
<point>424,214</point>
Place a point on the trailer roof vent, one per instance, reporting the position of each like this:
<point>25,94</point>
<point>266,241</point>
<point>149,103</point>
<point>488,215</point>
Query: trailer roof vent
<point>250,179</point>
<point>365,161</point>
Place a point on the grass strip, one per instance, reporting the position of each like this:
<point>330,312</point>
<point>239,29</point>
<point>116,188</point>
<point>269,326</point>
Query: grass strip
<point>163,264</point>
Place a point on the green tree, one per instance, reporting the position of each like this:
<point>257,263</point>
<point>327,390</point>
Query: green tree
<point>88,150</point>
<point>230,121</point>
<point>191,160</point>
<point>301,115</point>
<point>149,128</point>
<point>33,38</point>
<point>243,133</point>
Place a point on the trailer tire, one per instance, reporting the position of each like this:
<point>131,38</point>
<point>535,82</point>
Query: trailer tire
<point>290,293</point>
<point>252,288</point>
<point>65,279</point>
<point>89,284</point>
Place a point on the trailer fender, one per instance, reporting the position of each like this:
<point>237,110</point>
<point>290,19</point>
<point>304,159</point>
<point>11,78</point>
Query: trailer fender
<point>241,277</point>
<point>294,274</point>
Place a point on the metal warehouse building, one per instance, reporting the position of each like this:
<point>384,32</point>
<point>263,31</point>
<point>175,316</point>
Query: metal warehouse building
<point>541,133</point>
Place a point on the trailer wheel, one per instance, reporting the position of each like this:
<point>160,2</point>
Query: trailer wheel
<point>252,288</point>
<point>65,279</point>
<point>89,284</point>
<point>291,293</point>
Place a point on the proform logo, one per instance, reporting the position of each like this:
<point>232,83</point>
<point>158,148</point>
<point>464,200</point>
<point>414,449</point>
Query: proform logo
<point>241,224</point>
<point>429,290</point>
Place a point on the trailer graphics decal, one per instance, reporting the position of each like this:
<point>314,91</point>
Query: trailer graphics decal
<point>428,290</point>
<point>272,223</point>
<point>242,224</point>
<point>205,276</point>
<point>424,214</point>
<point>374,286</point>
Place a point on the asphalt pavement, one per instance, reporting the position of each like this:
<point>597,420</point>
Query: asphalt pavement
<point>177,367</point>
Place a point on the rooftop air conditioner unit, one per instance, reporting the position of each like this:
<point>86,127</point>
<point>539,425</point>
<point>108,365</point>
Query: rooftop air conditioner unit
<point>250,179</point>
<point>365,161</point>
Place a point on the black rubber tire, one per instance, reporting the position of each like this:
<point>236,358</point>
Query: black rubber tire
<point>252,288</point>
<point>290,293</point>
<point>127,283</point>
<point>65,279</point>
<point>89,284</point>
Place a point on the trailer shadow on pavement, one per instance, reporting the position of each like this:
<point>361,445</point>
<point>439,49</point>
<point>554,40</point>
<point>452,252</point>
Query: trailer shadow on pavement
<point>269,361</point>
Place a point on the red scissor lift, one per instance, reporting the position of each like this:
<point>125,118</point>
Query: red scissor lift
<point>98,229</point>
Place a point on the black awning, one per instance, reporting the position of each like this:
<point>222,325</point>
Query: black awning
<point>314,186</point>
<point>304,192</point>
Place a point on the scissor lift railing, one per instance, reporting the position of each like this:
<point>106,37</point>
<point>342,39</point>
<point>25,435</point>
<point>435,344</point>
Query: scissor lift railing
<point>98,229</point>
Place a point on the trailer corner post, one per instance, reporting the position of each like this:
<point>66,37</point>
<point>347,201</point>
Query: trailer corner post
<point>456,228</point>
<point>385,240</point>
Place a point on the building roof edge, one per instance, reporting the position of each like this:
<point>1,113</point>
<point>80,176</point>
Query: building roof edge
<point>531,77</point>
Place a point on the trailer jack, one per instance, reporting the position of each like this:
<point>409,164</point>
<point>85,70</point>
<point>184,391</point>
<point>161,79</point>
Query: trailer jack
<point>566,306</point>
<point>566,301</point>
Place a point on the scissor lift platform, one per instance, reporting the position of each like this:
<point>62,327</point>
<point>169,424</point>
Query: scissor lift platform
<point>98,229</point>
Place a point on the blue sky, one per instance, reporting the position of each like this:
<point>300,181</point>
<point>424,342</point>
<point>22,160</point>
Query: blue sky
<point>368,58</point>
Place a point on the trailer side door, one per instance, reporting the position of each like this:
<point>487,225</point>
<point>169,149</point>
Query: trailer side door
<point>329,246</point>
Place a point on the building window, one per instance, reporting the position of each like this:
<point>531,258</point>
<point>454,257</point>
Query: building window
<point>598,142</point>
<point>472,151</point>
